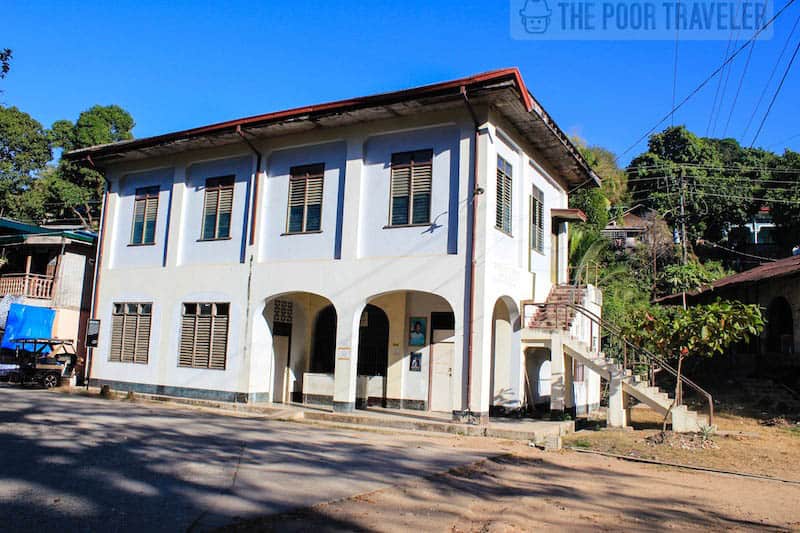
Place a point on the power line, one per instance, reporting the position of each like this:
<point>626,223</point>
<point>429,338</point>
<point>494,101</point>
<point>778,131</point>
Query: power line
<point>731,250</point>
<point>777,91</point>
<point>709,78</point>
<point>771,75</point>
<point>675,64</point>
<point>728,73</point>
<point>739,88</point>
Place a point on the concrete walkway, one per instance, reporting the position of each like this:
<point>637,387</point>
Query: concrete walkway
<point>540,432</point>
<point>75,463</point>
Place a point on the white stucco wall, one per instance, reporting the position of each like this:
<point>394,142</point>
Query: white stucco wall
<point>374,261</point>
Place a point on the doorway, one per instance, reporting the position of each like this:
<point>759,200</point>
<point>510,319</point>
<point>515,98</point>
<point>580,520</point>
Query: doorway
<point>440,392</point>
<point>281,347</point>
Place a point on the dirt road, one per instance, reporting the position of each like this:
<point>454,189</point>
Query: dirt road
<point>531,490</point>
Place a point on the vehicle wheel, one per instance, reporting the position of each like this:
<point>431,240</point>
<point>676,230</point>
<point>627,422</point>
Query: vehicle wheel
<point>13,378</point>
<point>50,381</point>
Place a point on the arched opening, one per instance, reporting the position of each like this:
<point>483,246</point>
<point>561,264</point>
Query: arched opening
<point>373,342</point>
<point>780,326</point>
<point>323,353</point>
<point>505,381</point>
<point>296,333</point>
<point>537,380</point>
<point>407,354</point>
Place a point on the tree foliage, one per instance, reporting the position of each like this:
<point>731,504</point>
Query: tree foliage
<point>24,152</point>
<point>32,190</point>
<point>5,61</point>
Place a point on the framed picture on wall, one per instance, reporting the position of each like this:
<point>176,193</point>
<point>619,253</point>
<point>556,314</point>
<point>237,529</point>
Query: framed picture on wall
<point>415,362</point>
<point>417,328</point>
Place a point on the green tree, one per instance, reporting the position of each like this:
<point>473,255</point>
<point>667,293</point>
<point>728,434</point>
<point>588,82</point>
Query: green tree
<point>75,189</point>
<point>713,175</point>
<point>614,180</point>
<point>785,195</point>
<point>699,331</point>
<point>24,153</point>
<point>5,62</point>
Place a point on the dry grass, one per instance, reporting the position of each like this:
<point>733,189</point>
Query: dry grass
<point>743,444</point>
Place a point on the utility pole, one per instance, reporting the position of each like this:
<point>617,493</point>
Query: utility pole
<point>683,227</point>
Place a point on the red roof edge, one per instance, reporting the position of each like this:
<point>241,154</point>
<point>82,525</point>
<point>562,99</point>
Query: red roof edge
<point>338,105</point>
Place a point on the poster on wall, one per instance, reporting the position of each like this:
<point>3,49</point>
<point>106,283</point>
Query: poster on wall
<point>417,326</point>
<point>415,363</point>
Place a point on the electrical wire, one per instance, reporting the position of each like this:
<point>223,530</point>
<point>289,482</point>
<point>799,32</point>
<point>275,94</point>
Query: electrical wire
<point>769,80</point>
<point>739,88</point>
<point>707,79</point>
<point>777,92</point>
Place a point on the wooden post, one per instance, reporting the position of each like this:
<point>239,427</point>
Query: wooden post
<point>27,275</point>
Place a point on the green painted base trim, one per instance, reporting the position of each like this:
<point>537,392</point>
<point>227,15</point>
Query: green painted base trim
<point>317,399</point>
<point>181,392</point>
<point>344,407</point>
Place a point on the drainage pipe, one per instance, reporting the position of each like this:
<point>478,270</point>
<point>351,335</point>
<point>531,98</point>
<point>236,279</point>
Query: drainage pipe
<point>476,191</point>
<point>98,261</point>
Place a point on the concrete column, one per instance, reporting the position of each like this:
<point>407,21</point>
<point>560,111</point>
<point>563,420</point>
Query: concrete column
<point>175,216</point>
<point>394,305</point>
<point>345,371</point>
<point>354,168</point>
<point>558,388</point>
<point>617,405</point>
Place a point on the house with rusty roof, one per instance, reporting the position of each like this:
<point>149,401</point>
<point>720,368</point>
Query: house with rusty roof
<point>775,286</point>
<point>50,267</point>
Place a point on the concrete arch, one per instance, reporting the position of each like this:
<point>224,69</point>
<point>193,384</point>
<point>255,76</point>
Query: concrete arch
<point>506,377</point>
<point>407,383</point>
<point>282,342</point>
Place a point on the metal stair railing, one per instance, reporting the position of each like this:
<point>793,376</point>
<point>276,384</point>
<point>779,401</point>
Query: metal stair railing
<point>649,356</point>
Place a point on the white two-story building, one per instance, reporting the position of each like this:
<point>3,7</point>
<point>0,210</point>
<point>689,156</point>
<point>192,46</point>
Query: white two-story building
<point>373,250</point>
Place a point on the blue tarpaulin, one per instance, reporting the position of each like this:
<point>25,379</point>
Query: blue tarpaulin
<point>27,321</point>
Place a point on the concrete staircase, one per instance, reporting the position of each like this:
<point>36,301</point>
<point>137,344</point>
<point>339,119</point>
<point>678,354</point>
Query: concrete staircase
<point>558,320</point>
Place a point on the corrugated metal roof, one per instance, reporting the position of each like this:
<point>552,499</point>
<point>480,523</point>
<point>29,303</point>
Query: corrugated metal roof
<point>789,266</point>
<point>503,89</point>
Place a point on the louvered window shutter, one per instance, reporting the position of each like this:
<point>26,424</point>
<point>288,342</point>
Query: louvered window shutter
<point>411,186</point>
<point>297,202</point>
<point>117,326</point>
<point>186,355</point>
<point>219,342</point>
<point>401,184</point>
<point>150,215</point>
<point>137,233</point>
<point>210,214</point>
<point>142,339</point>
<point>225,212</point>
<point>130,333</point>
<point>218,208</point>
<point>204,336</point>
<point>306,185</point>
<point>421,185</point>
<point>504,196</point>
<point>314,202</point>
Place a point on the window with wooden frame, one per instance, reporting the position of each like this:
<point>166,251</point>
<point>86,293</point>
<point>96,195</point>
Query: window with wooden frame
<point>305,198</point>
<point>130,332</point>
<point>411,185</point>
<point>204,335</point>
<point>537,220</point>
<point>217,208</point>
<point>145,212</point>
<point>504,196</point>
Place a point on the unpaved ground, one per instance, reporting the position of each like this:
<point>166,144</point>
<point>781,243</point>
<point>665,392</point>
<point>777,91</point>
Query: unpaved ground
<point>742,444</point>
<point>533,490</point>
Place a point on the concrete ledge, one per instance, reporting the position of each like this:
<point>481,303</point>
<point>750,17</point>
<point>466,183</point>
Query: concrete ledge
<point>181,392</point>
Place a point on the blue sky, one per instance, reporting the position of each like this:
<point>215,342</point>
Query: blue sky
<point>178,64</point>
